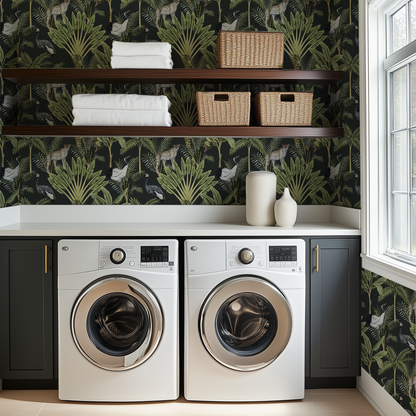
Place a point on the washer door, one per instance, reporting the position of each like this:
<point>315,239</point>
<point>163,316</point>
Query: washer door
<point>245,323</point>
<point>117,323</point>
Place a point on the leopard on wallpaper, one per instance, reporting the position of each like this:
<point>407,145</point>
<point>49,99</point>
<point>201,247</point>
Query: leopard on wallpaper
<point>79,34</point>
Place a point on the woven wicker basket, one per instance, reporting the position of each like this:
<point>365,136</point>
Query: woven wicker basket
<point>250,49</point>
<point>223,108</point>
<point>284,108</point>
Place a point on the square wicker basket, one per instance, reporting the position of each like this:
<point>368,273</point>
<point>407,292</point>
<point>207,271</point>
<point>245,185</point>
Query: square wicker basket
<point>250,49</point>
<point>223,108</point>
<point>284,108</point>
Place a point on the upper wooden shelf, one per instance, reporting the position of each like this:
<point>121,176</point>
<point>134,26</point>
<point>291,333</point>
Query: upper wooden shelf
<point>171,76</point>
<point>175,131</point>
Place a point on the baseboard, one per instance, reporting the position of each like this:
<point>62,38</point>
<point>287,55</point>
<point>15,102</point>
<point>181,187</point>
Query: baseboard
<point>30,384</point>
<point>330,382</point>
<point>378,397</point>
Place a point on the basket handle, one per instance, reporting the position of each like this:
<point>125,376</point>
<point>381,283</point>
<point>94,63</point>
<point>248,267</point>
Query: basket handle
<point>221,97</point>
<point>287,97</point>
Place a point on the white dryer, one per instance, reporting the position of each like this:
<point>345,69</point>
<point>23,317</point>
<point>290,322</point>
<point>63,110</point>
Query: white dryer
<point>244,320</point>
<point>118,320</point>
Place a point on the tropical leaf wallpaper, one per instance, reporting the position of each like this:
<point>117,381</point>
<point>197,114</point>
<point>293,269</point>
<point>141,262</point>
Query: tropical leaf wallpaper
<point>388,337</point>
<point>319,34</point>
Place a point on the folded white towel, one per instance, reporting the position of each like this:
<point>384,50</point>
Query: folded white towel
<point>88,117</point>
<point>121,102</point>
<point>141,48</point>
<point>145,61</point>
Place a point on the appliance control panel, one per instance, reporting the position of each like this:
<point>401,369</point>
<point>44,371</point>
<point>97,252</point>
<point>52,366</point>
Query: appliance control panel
<point>154,256</point>
<point>280,255</point>
<point>144,255</point>
<point>283,256</point>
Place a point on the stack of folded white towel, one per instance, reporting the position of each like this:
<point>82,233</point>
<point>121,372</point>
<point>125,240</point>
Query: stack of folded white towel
<point>156,55</point>
<point>121,110</point>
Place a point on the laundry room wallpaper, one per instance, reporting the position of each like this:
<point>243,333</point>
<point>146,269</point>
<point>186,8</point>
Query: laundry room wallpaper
<point>123,170</point>
<point>388,331</point>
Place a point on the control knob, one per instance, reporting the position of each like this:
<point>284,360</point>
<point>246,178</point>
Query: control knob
<point>246,256</point>
<point>117,256</point>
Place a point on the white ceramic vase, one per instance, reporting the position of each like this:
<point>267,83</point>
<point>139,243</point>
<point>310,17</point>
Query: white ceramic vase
<point>260,198</point>
<point>285,210</point>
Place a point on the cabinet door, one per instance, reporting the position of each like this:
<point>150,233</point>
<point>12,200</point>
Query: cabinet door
<point>335,308</point>
<point>26,344</point>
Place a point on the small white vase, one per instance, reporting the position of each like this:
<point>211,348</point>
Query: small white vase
<point>285,210</point>
<point>260,198</point>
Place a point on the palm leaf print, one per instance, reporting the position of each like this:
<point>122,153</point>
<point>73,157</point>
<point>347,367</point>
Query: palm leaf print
<point>183,106</point>
<point>78,37</point>
<point>188,38</point>
<point>300,38</point>
<point>300,178</point>
<point>78,182</point>
<point>187,182</point>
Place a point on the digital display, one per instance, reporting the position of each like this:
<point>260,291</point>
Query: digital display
<point>154,254</point>
<point>283,253</point>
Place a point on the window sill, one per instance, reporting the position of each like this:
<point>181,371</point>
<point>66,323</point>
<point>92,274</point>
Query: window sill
<point>397,271</point>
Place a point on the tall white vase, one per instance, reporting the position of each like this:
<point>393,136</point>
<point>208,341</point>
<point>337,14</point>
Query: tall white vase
<point>260,198</point>
<point>285,210</point>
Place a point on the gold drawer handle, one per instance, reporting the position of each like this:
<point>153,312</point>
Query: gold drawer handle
<point>317,257</point>
<point>46,259</point>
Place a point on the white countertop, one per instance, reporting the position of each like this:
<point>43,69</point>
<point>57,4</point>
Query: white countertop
<point>168,221</point>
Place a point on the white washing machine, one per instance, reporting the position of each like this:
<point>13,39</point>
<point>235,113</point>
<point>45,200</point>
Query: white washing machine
<point>244,320</point>
<point>118,320</point>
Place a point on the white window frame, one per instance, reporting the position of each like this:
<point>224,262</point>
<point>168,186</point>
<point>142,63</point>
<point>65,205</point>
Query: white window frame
<point>373,26</point>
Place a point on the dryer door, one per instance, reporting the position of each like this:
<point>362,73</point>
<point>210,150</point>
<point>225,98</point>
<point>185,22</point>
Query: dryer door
<point>245,323</point>
<point>117,323</point>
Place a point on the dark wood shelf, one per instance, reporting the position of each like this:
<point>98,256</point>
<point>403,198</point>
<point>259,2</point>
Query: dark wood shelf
<point>113,131</point>
<point>171,76</point>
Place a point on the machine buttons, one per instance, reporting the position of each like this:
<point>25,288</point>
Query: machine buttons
<point>261,263</point>
<point>246,256</point>
<point>283,264</point>
<point>117,256</point>
<point>102,263</point>
<point>194,248</point>
<point>132,263</point>
<point>232,263</point>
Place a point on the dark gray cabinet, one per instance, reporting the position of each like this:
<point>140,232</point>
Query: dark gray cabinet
<point>334,307</point>
<point>26,309</point>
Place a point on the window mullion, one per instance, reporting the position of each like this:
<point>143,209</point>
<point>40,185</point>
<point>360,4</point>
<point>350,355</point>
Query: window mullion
<point>409,141</point>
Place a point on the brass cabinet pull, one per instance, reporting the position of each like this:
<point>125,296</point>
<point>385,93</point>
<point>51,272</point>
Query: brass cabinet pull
<point>317,257</point>
<point>46,259</point>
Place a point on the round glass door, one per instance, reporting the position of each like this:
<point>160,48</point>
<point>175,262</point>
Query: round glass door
<point>245,323</point>
<point>117,323</point>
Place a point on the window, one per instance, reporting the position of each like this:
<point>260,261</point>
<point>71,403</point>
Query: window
<point>400,69</point>
<point>388,137</point>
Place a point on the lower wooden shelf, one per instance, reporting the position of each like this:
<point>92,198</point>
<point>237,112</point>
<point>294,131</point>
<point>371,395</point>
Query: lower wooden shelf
<point>214,131</point>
